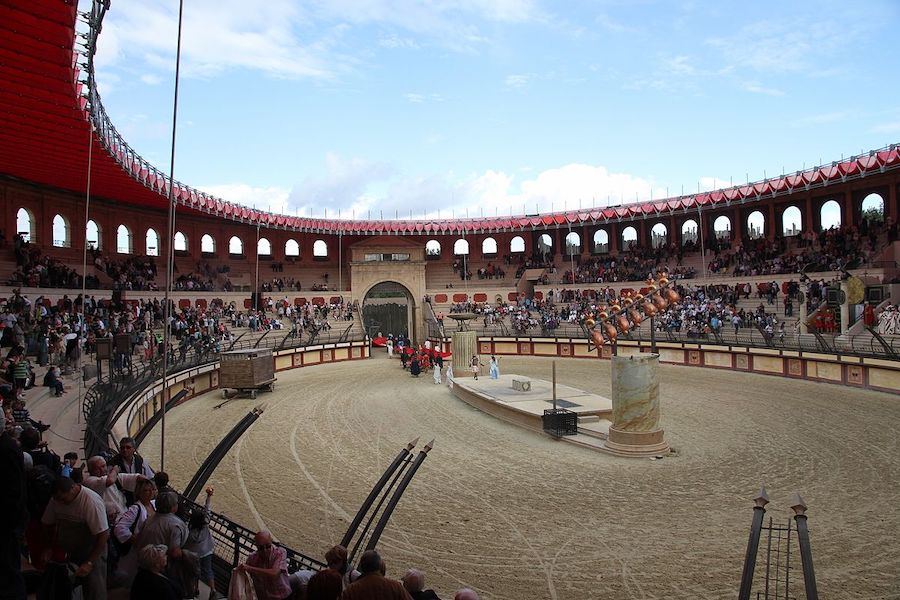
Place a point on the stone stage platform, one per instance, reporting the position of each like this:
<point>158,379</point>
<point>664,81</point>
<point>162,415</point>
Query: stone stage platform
<point>497,398</point>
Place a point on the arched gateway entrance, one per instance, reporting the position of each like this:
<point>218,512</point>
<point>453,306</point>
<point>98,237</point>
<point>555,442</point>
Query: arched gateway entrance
<point>387,308</point>
<point>389,273</point>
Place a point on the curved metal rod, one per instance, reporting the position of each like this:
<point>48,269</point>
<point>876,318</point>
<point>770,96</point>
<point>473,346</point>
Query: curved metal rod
<point>379,485</point>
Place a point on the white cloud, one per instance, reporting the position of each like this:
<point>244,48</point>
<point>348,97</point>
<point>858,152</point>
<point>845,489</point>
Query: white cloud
<point>518,81</point>
<point>416,98</point>
<point>395,41</point>
<point>889,127</point>
<point>219,35</point>
<point>151,79</point>
<point>755,88</point>
<point>607,23</point>
<point>680,66</point>
<point>345,184</point>
<point>359,187</point>
<point>263,198</point>
<point>708,184</point>
<point>822,118</point>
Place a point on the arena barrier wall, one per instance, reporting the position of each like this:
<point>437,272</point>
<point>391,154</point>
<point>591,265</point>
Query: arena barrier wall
<point>853,371</point>
<point>204,378</point>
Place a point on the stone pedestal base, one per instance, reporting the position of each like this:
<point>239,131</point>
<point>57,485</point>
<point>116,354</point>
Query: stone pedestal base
<point>521,385</point>
<point>636,443</point>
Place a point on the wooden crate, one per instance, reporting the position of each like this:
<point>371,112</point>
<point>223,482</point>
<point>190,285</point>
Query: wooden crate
<point>246,369</point>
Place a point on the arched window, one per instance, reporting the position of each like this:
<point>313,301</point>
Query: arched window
<point>722,228</point>
<point>61,237</point>
<point>489,247</point>
<point>123,240</point>
<point>291,248</point>
<point>601,241</point>
<point>791,221</point>
<point>659,235</point>
<point>264,247</point>
<point>830,215</point>
<point>573,243</point>
<point>92,235</point>
<point>460,247</point>
<point>629,237</point>
<point>517,245</point>
<point>756,225</point>
<point>432,249</point>
<point>690,234</point>
<point>235,246</point>
<point>180,242</point>
<point>25,224</point>
<point>545,244</point>
<point>152,242</point>
<point>873,208</point>
<point>207,244</point>
<point>320,249</point>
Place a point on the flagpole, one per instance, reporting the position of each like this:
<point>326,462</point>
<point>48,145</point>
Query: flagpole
<point>170,252</point>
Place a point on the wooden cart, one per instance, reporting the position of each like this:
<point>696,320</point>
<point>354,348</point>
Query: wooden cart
<point>247,371</point>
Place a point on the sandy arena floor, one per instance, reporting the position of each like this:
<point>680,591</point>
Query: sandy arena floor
<point>518,516</point>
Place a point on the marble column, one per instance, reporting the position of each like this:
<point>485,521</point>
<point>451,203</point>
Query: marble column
<point>635,398</point>
<point>465,344</point>
<point>845,308</point>
<point>804,317</point>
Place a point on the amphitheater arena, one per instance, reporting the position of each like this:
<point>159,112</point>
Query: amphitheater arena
<point>506,511</point>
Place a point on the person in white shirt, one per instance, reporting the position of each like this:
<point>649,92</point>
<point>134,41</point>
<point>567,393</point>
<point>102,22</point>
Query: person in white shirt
<point>102,479</point>
<point>78,520</point>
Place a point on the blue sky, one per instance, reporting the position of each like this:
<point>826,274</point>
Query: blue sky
<point>371,106</point>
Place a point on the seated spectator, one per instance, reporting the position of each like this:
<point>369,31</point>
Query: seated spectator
<point>30,439</point>
<point>52,381</point>
<point>466,594</point>
<point>150,583</point>
<point>414,582</point>
<point>268,569</point>
<point>23,417</point>
<point>372,582</point>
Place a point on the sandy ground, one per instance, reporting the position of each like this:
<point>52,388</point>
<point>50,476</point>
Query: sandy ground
<point>516,515</point>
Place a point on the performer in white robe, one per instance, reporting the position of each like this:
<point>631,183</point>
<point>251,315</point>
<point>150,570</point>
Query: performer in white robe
<point>390,348</point>
<point>437,374</point>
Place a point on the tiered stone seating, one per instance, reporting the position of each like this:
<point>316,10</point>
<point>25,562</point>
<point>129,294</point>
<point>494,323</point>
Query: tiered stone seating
<point>439,274</point>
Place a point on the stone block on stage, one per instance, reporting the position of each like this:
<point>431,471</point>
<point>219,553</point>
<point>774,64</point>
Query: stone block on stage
<point>521,384</point>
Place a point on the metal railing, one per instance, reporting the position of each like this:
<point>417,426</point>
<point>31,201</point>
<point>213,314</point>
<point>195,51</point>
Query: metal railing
<point>866,345</point>
<point>114,393</point>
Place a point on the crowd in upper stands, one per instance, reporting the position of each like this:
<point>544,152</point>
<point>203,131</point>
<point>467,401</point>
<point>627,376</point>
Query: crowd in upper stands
<point>634,265</point>
<point>36,270</point>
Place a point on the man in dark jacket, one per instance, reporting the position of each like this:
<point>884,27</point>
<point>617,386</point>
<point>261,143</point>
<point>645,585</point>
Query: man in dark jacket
<point>372,584</point>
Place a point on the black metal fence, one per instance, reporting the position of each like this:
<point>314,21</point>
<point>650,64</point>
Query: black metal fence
<point>865,345</point>
<point>120,380</point>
